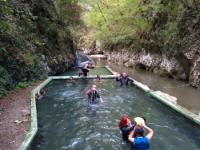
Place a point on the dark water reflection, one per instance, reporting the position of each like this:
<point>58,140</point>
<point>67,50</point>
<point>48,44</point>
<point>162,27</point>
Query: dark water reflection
<point>66,122</point>
<point>187,96</point>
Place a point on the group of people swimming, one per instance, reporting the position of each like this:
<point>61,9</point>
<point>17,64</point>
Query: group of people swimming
<point>132,131</point>
<point>94,97</point>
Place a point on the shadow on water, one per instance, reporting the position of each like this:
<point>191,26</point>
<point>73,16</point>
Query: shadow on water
<point>67,123</point>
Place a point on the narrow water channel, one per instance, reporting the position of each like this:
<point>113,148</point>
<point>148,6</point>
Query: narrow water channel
<point>187,96</point>
<point>67,123</point>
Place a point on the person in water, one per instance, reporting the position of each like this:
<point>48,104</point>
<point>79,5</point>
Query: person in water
<point>70,81</point>
<point>40,94</point>
<point>98,78</point>
<point>123,79</point>
<point>137,138</point>
<point>93,95</point>
<point>126,126</point>
<point>86,68</point>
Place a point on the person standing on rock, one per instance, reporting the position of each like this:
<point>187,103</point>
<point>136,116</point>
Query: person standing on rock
<point>86,68</point>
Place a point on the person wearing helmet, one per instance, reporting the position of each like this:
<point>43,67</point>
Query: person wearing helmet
<point>126,126</point>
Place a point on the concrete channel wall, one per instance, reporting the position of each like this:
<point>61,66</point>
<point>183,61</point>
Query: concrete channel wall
<point>162,98</point>
<point>165,100</point>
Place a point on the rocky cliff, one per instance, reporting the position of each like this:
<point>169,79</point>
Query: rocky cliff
<point>182,66</point>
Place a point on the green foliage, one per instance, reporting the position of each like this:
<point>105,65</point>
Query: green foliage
<point>116,22</point>
<point>23,84</point>
<point>5,81</point>
<point>136,24</point>
<point>169,33</point>
<point>30,29</point>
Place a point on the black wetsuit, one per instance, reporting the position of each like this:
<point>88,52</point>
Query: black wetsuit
<point>126,131</point>
<point>92,97</point>
<point>123,80</point>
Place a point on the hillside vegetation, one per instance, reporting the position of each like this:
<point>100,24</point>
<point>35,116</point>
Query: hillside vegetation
<point>169,29</point>
<point>156,25</point>
<point>36,39</point>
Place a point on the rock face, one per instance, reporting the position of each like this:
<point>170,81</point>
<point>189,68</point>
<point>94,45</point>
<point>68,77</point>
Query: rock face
<point>194,56</point>
<point>177,67</point>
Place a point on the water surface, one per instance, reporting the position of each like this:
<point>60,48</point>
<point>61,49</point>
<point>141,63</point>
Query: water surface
<point>187,96</point>
<point>67,123</point>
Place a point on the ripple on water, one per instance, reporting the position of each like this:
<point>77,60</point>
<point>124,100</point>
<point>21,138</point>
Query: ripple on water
<point>94,136</point>
<point>66,122</point>
<point>74,142</point>
<point>84,119</point>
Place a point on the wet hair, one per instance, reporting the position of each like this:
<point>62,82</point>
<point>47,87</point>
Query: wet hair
<point>123,121</point>
<point>42,91</point>
<point>139,131</point>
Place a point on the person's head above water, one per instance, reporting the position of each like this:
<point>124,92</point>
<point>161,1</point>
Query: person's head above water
<point>98,77</point>
<point>139,121</point>
<point>124,122</point>
<point>124,74</point>
<point>94,87</point>
<point>139,131</point>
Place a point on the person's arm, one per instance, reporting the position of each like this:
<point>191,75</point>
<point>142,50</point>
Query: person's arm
<point>86,67</point>
<point>88,91</point>
<point>117,78</point>
<point>100,98</point>
<point>130,136</point>
<point>150,132</point>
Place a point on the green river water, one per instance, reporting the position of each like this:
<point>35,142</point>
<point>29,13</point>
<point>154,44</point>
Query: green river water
<point>67,123</point>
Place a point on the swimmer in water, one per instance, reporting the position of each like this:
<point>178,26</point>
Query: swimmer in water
<point>123,79</point>
<point>93,95</point>
<point>98,78</point>
<point>137,138</point>
<point>126,126</point>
